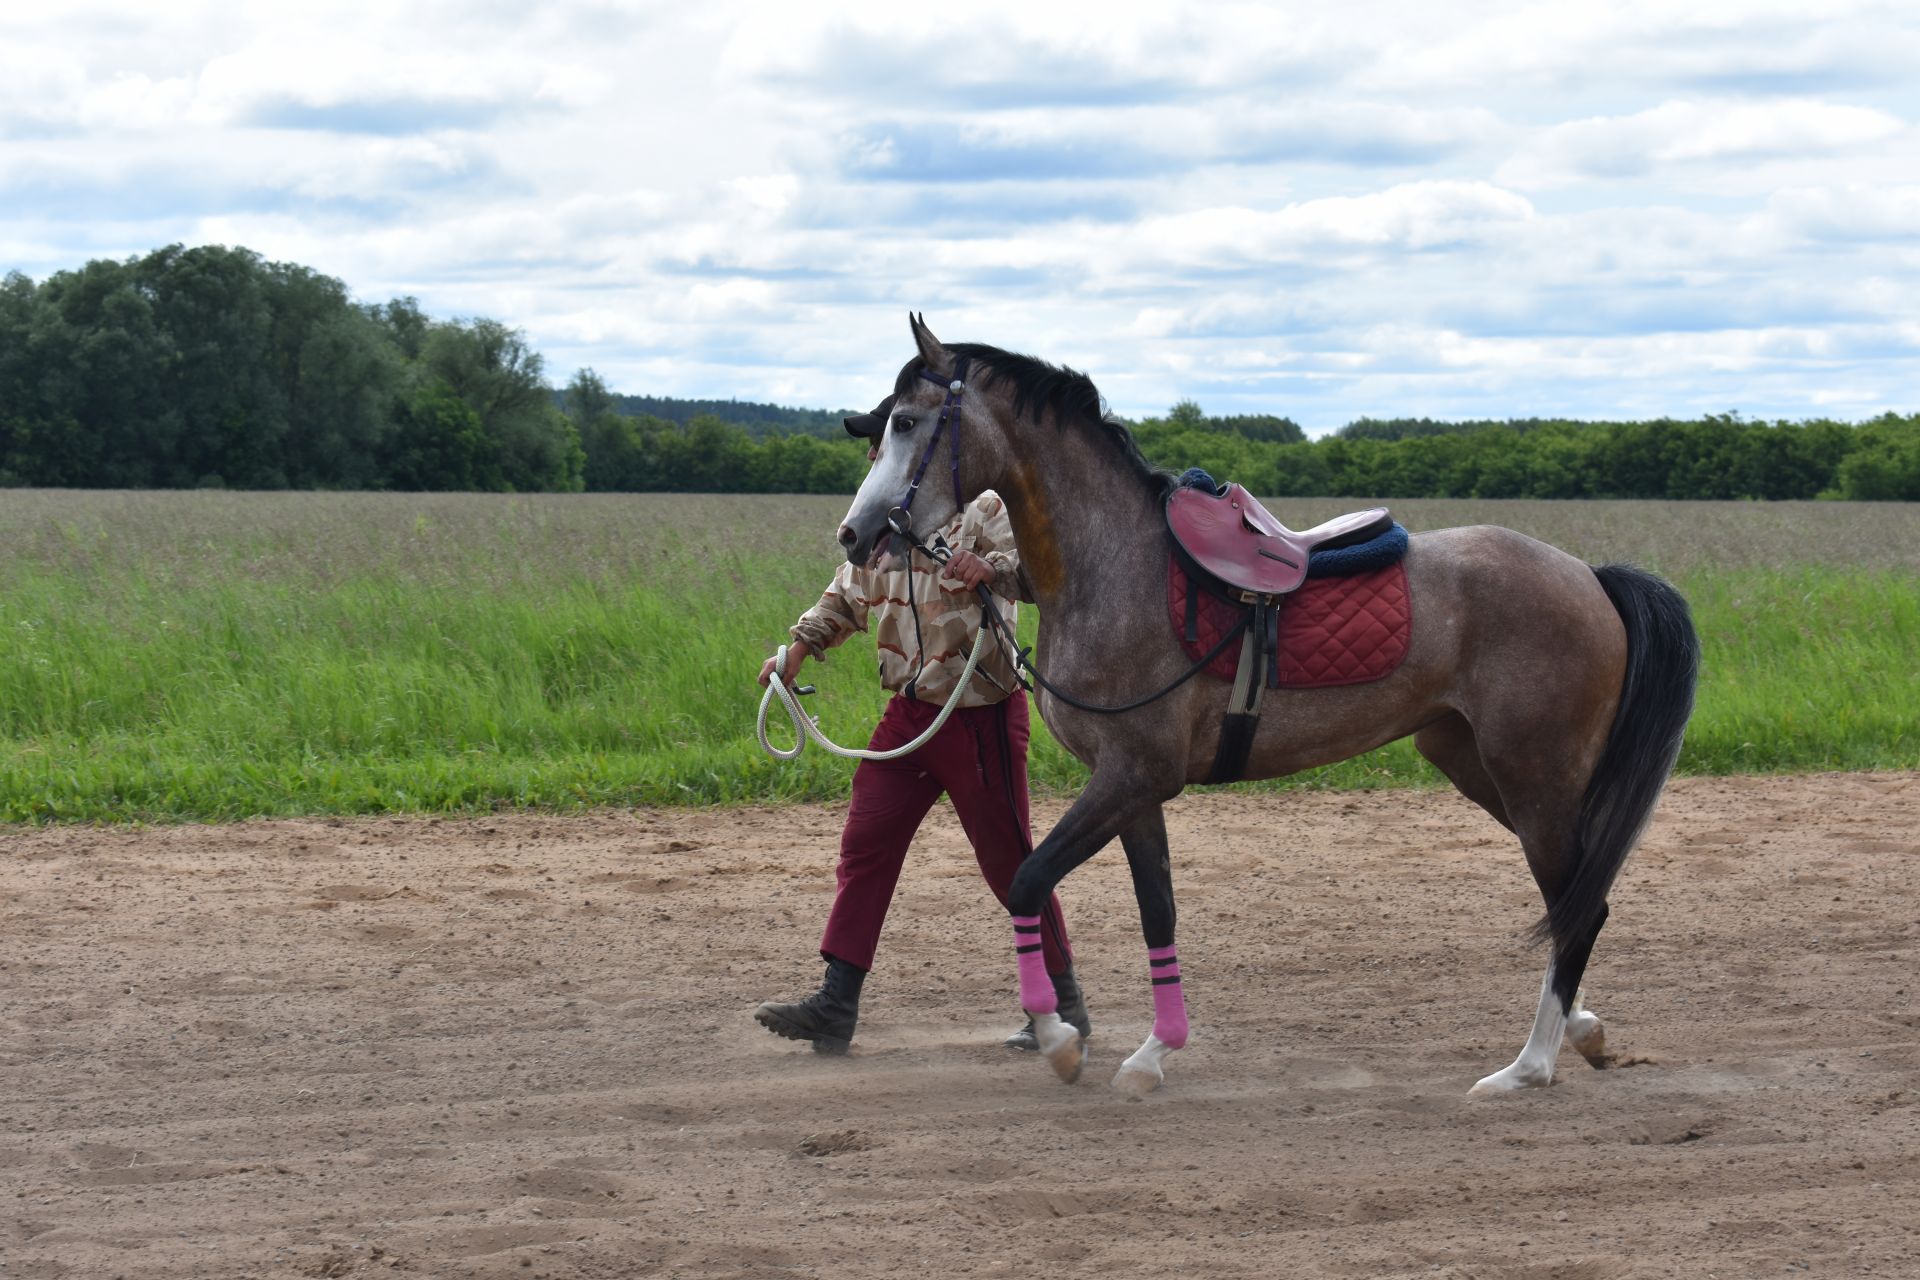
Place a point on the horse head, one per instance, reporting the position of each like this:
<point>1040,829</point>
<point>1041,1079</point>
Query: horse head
<point>940,444</point>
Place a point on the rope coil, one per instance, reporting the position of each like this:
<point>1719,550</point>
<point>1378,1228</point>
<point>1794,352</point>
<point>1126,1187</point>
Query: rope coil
<point>806,726</point>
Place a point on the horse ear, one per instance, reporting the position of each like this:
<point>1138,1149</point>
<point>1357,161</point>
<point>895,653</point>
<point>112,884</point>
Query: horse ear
<point>936,357</point>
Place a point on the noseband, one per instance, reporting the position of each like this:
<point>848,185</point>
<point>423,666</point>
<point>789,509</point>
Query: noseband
<point>900,519</point>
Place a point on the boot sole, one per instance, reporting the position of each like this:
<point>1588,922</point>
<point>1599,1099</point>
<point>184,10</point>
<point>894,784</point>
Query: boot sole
<point>793,1031</point>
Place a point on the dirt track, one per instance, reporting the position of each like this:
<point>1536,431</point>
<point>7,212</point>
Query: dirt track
<point>521,1047</point>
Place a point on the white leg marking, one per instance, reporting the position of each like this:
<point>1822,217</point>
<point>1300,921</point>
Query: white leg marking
<point>1061,1044</point>
<point>1533,1069</point>
<point>1144,1072</point>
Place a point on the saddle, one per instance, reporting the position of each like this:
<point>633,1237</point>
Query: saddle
<point>1233,549</point>
<point>1231,537</point>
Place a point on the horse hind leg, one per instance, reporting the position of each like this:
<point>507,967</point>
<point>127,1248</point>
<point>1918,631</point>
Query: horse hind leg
<point>1146,844</point>
<point>1560,1016</point>
<point>1449,744</point>
<point>1585,1032</point>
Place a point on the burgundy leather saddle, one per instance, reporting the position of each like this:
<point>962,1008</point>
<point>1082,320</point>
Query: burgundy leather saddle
<point>1238,541</point>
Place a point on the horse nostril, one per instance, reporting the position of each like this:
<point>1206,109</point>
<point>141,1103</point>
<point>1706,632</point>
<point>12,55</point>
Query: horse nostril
<point>847,536</point>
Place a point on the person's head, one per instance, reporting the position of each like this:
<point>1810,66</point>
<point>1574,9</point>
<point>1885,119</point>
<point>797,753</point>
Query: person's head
<point>870,426</point>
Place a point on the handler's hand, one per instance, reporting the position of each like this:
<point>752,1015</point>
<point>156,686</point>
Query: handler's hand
<point>969,568</point>
<point>797,652</point>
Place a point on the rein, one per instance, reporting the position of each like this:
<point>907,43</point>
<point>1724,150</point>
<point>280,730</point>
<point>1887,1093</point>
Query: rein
<point>994,627</point>
<point>1022,663</point>
<point>900,521</point>
<point>1026,664</point>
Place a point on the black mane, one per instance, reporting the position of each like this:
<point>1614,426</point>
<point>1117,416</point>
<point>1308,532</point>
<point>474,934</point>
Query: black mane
<point>1040,388</point>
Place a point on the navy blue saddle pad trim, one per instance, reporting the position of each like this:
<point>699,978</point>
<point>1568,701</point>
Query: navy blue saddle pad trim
<point>1338,562</point>
<point>1377,553</point>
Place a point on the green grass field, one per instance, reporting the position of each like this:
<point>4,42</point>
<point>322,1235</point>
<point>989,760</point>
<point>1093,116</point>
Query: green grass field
<point>215,655</point>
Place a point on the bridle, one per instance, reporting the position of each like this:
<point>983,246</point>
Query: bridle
<point>900,520</point>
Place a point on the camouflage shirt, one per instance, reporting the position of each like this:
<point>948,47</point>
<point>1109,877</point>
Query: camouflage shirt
<point>861,599</point>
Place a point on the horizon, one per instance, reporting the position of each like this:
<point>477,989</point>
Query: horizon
<point>1387,212</point>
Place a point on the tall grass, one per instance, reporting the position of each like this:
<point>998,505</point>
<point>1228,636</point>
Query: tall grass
<point>182,655</point>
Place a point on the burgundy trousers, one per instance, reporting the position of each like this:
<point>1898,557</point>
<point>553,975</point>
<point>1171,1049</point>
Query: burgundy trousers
<point>979,759</point>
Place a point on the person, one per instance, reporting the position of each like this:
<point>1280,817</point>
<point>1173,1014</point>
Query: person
<point>978,759</point>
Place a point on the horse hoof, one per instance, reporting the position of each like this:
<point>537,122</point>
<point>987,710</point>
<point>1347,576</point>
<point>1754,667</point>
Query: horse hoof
<point>1588,1036</point>
<point>1142,1073</point>
<point>1067,1060</point>
<point>1511,1080</point>
<point>1062,1044</point>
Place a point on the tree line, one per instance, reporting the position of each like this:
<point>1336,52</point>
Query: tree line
<point>211,366</point>
<point>757,419</point>
<point>649,453</point>
<point>1721,456</point>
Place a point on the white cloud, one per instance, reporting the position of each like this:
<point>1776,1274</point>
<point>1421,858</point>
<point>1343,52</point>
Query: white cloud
<point>1386,207</point>
<point>1857,212</point>
<point>1694,133</point>
<point>1553,48</point>
<point>1413,217</point>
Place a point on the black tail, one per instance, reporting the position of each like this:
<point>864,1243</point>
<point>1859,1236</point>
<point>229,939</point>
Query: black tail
<point>1663,662</point>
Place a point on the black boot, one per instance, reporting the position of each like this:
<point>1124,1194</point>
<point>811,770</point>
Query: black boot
<point>826,1017</point>
<point>1072,1009</point>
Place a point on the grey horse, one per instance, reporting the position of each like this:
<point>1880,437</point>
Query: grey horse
<point>1552,693</point>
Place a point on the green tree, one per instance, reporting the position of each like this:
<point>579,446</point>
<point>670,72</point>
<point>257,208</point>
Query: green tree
<point>1267,428</point>
<point>1885,467</point>
<point>1186,415</point>
<point>587,398</point>
<point>338,373</point>
<point>231,414</point>
<point>493,370</point>
<point>437,443</point>
<point>623,454</point>
<point>405,325</point>
<point>96,353</point>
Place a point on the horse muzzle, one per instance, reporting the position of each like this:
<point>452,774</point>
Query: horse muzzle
<point>875,548</point>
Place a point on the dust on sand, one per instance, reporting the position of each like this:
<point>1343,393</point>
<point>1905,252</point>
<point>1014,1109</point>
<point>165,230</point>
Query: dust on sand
<point>521,1046</point>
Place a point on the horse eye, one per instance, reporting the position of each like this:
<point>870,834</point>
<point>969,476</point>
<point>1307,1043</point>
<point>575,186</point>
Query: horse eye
<point>902,423</point>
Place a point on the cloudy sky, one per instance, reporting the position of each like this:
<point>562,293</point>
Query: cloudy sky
<point>1318,210</point>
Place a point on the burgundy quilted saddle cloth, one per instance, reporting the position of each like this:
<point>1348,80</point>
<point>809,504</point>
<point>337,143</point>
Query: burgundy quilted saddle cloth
<point>1333,631</point>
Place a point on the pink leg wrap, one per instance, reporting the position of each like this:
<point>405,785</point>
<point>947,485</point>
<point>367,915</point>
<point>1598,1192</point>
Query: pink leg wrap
<point>1169,1006</point>
<point>1036,989</point>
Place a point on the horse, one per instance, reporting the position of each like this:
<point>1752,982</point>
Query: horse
<point>1551,693</point>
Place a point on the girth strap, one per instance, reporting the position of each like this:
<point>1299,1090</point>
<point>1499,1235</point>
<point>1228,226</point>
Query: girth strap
<point>1272,629</point>
<point>1259,667</point>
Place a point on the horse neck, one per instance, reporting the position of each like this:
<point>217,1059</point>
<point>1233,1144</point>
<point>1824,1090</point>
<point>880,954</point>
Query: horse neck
<point>1085,523</point>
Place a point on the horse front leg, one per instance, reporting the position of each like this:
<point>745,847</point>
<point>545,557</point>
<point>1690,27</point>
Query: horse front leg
<point>1111,803</point>
<point>1146,845</point>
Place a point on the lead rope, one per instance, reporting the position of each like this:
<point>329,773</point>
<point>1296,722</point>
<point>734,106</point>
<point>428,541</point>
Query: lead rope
<point>805,726</point>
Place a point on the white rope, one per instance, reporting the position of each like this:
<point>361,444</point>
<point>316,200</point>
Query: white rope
<point>806,726</point>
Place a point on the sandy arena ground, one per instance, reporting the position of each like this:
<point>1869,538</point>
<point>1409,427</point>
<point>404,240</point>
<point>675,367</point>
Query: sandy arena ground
<point>521,1047</point>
